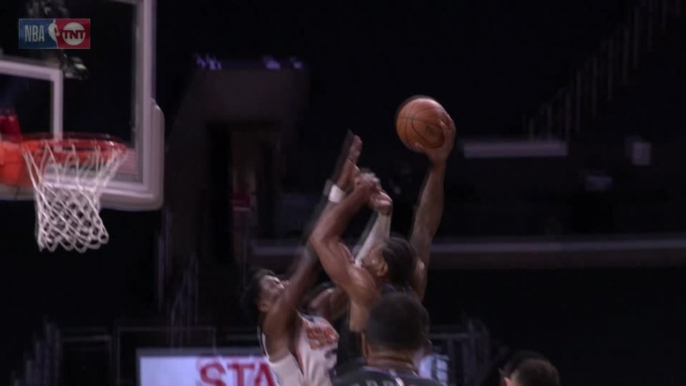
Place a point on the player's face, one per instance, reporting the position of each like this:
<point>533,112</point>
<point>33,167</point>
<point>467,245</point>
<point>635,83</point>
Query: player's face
<point>270,290</point>
<point>374,262</point>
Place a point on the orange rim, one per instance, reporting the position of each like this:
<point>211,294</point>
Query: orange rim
<point>81,144</point>
<point>13,169</point>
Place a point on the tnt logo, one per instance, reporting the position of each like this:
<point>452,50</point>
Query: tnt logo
<point>55,34</point>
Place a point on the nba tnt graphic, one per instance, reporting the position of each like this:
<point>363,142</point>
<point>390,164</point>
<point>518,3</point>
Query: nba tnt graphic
<point>55,34</point>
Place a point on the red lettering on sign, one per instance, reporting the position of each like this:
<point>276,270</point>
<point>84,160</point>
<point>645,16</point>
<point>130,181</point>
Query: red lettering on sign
<point>264,373</point>
<point>214,377</point>
<point>236,371</point>
<point>238,368</point>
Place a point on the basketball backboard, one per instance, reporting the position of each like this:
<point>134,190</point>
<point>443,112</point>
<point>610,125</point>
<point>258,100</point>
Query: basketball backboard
<point>117,98</point>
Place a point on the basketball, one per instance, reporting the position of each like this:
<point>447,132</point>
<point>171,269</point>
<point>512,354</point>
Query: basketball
<point>419,122</point>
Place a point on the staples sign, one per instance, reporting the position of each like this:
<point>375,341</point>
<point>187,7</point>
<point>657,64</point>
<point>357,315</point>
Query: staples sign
<point>186,370</point>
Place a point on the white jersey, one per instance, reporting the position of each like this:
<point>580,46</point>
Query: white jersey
<point>315,347</point>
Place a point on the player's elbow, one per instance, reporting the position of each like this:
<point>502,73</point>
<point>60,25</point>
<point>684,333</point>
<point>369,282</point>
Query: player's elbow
<point>317,240</point>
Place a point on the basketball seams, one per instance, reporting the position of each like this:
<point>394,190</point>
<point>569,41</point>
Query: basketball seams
<point>436,108</point>
<point>400,125</point>
<point>432,120</point>
<point>417,120</point>
<point>428,143</point>
<point>410,100</point>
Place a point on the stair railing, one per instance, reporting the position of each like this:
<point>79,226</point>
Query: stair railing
<point>184,308</point>
<point>43,363</point>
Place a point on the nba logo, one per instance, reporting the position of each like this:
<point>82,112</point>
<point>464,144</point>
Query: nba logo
<point>66,34</point>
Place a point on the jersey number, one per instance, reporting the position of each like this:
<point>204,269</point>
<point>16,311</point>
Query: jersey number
<point>321,337</point>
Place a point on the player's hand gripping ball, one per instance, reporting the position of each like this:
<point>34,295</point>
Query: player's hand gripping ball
<point>420,123</point>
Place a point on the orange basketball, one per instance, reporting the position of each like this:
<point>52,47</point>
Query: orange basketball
<point>419,122</point>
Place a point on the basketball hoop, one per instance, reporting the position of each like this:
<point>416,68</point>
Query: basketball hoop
<point>68,177</point>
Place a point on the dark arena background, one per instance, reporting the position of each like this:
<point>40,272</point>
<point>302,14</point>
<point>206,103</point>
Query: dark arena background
<point>564,228</point>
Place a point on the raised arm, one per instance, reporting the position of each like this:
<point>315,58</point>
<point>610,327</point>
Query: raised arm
<point>430,211</point>
<point>279,322</point>
<point>334,255</point>
<point>379,231</point>
<point>332,303</point>
<point>337,186</point>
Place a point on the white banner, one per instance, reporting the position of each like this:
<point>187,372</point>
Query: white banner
<point>203,370</point>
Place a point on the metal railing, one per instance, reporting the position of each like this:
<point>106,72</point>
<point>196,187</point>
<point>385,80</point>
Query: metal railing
<point>43,362</point>
<point>602,74</point>
<point>183,313</point>
<point>163,273</point>
<point>177,287</point>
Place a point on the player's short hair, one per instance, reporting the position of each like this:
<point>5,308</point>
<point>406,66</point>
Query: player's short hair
<point>397,322</point>
<point>531,369</point>
<point>401,260</point>
<point>252,293</point>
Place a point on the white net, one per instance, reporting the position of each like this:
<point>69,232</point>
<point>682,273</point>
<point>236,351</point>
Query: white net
<point>68,180</point>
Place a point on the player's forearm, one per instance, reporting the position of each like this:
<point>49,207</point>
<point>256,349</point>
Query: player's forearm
<point>324,206</point>
<point>305,275</point>
<point>302,274</point>
<point>325,239</point>
<point>430,210</point>
<point>277,325</point>
<point>379,232</point>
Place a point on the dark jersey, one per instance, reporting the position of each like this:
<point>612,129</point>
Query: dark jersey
<point>350,342</point>
<point>349,354</point>
<point>366,376</point>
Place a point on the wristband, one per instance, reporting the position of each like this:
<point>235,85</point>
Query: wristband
<point>327,187</point>
<point>385,219</point>
<point>336,194</point>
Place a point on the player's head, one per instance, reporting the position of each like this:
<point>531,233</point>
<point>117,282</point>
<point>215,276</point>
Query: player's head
<point>398,327</point>
<point>261,292</point>
<point>527,368</point>
<point>393,260</point>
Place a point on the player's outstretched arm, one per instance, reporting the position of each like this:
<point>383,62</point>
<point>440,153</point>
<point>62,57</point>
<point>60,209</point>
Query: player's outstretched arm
<point>379,231</point>
<point>332,303</point>
<point>430,211</point>
<point>334,255</point>
<point>279,323</point>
